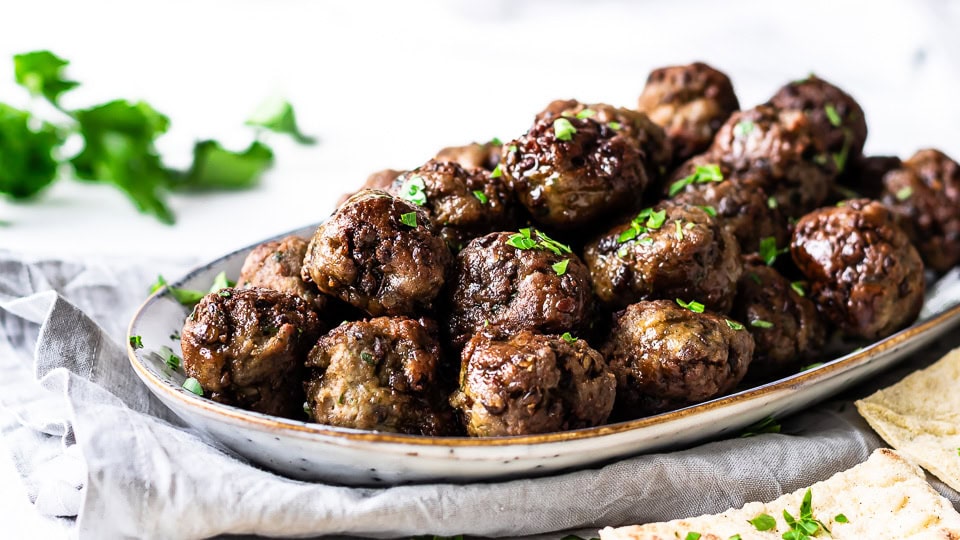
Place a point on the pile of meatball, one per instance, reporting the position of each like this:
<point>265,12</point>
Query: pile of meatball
<point>606,265</point>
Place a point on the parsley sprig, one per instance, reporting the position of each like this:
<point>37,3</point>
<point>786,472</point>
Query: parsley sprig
<point>703,174</point>
<point>648,219</point>
<point>189,297</point>
<point>769,251</point>
<point>525,240</point>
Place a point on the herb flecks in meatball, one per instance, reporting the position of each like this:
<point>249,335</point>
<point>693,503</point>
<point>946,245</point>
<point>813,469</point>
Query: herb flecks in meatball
<point>277,265</point>
<point>517,281</point>
<point>529,383</point>
<point>669,251</point>
<point>865,275</point>
<point>380,254</point>
<point>665,356</point>
<point>690,103</point>
<point>380,374</point>
<point>246,348</point>
<point>924,194</point>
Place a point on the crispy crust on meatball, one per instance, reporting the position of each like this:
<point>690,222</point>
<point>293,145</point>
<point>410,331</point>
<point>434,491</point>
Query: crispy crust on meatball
<point>246,348</point>
<point>866,277</point>
<point>277,265</point>
<point>530,383</point>
<point>381,180</point>
<point>367,255</point>
<point>666,357</point>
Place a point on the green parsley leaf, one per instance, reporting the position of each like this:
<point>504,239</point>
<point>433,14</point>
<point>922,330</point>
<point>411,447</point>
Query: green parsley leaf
<point>561,267</point>
<point>306,408</point>
<point>840,518</point>
<point>735,537</point>
<point>797,287</point>
<point>743,128</point>
<point>832,115</point>
<point>216,168</point>
<point>41,73</point>
<point>481,196</point>
<point>734,325</point>
<point>811,366</point>
<point>495,142</point>
<point>760,323</point>
<point>679,230</point>
<point>563,129</point>
<point>276,114</point>
<point>904,193</point>
<point>840,158</point>
<point>27,164</point>
<point>172,360</point>
<point>769,251</point>
<point>763,522</point>
<point>552,245</point>
<point>521,240</point>
<point>367,358</point>
<point>512,148</point>
<point>409,219</point>
<point>656,219</point>
<point>614,126</point>
<point>645,241</point>
<point>221,282</point>
<point>175,336</point>
<point>767,425</point>
<point>136,342</point>
<point>225,294</point>
<point>586,113</point>
<point>693,306</point>
<point>193,385</point>
<point>771,203</point>
<point>497,172</point>
<point>709,210</point>
<point>628,234</point>
<point>525,240</point>
<point>692,536</point>
<point>414,190</point>
<point>701,175</point>
<point>568,338</point>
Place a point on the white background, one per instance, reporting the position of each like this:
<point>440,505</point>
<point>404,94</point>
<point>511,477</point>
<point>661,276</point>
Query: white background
<point>386,84</point>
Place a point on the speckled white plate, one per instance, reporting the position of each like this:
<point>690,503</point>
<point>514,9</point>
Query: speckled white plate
<point>348,456</point>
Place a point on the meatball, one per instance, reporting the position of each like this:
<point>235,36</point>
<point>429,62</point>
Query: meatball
<point>514,282</point>
<point>924,194</point>
<point>784,323</point>
<point>739,202</point>
<point>863,177</point>
<point>276,265</point>
<point>669,251</point>
<point>779,147</point>
<point>473,156</point>
<point>866,277</point>
<point>569,171</point>
<point>530,383</point>
<point>462,203</point>
<point>666,357</point>
<point>381,180</point>
<point>657,153</point>
<point>380,374</point>
<point>690,103</point>
<point>835,117</point>
<point>378,253</point>
<point>246,348</point>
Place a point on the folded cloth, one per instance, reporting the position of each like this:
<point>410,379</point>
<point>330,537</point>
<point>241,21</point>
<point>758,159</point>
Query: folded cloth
<point>98,452</point>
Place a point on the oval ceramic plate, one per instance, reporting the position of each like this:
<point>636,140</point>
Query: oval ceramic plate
<point>317,452</point>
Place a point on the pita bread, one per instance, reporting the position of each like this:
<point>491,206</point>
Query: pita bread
<point>920,417</point>
<point>884,497</point>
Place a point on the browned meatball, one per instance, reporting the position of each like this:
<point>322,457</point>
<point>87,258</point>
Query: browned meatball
<point>276,265</point>
<point>380,374</point>
<point>691,103</point>
<point>863,177</point>
<point>462,203</point>
<point>378,253</point>
<point>529,383</point>
<point>666,357</point>
<point>657,154</point>
<point>669,251</point>
<point>246,348</point>
<point>866,277</point>
<point>569,171</point>
<point>381,180</point>
<point>738,201</point>
<point>784,323</point>
<point>539,286</point>
<point>779,147</point>
<point>835,117</point>
<point>924,194</point>
<point>473,156</point>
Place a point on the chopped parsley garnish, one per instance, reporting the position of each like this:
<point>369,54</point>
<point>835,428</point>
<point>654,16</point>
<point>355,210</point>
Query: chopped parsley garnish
<point>833,115</point>
<point>769,251</point>
<point>497,172</point>
<point>480,195</point>
<point>512,148</point>
<point>904,193</point>
<point>561,267</point>
<point>189,297</point>
<point>306,408</point>
<point>840,518</point>
<point>614,125</point>
<point>172,360</point>
<point>763,522</point>
<point>225,294</point>
<point>693,306</point>
<point>701,175</point>
<point>342,399</point>
<point>679,230</point>
<point>811,366</point>
<point>735,537</point>
<point>221,282</point>
<point>797,287</point>
<point>709,210</point>
<point>563,129</point>
<point>743,128</point>
<point>771,203</point>
<point>367,358</point>
<point>409,219</point>
<point>760,323</point>
<point>524,240</point>
<point>734,325</point>
<point>756,279</point>
<point>806,525</point>
<point>840,158</point>
<point>692,536</point>
<point>193,385</point>
<point>566,336</point>
<point>586,113</point>
<point>646,220</point>
<point>495,142</point>
<point>767,425</point>
<point>414,190</point>
<point>136,342</point>
<point>175,336</point>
